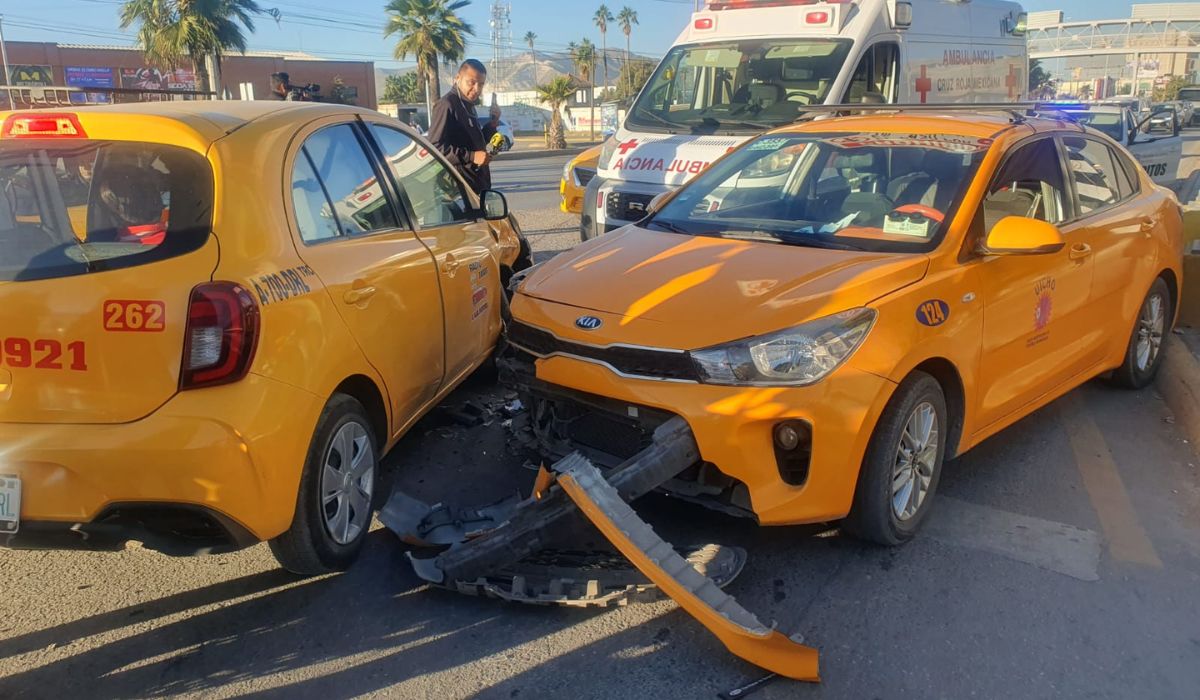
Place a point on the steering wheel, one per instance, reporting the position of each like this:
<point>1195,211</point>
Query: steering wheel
<point>927,212</point>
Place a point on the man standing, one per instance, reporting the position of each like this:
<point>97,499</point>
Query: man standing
<point>455,131</point>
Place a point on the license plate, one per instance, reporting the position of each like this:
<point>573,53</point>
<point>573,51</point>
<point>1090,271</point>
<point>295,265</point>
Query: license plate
<point>10,504</point>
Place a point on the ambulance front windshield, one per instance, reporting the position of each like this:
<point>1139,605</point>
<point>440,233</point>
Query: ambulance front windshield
<point>738,85</point>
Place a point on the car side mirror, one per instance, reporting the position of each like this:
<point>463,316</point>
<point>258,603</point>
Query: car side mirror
<point>495,206</point>
<point>657,203</point>
<point>1019,235</point>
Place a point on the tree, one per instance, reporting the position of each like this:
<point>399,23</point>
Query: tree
<point>1039,79</point>
<point>634,76</point>
<point>627,17</point>
<point>583,55</point>
<point>171,31</point>
<point>1169,91</point>
<point>403,89</point>
<point>432,31</point>
<point>1085,91</point>
<point>556,93</point>
<point>530,38</point>
<point>602,17</point>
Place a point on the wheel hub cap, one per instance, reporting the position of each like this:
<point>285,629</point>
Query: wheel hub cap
<point>916,458</point>
<point>347,483</point>
<point>1151,324</point>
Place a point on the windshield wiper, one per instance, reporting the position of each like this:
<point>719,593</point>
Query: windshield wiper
<point>659,118</point>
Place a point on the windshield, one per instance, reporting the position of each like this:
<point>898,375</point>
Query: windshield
<point>738,85</point>
<point>1190,94</point>
<point>1107,122</point>
<point>88,206</point>
<point>856,191</point>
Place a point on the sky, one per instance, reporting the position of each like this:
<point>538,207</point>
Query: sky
<point>354,30</point>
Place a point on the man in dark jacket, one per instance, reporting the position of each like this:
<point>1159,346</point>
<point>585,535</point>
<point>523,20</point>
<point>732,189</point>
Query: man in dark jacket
<point>455,131</point>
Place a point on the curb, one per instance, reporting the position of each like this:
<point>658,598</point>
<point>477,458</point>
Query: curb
<point>540,153</point>
<point>1179,383</point>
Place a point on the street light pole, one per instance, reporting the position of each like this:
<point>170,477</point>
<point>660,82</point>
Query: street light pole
<point>3,52</point>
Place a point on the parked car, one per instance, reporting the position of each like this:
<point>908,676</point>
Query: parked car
<point>219,316</point>
<point>907,286</point>
<point>1154,139</point>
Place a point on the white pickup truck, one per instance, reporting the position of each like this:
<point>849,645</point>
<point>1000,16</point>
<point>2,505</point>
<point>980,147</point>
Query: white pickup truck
<point>1157,145</point>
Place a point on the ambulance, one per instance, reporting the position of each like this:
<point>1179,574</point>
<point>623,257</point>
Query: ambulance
<point>744,66</point>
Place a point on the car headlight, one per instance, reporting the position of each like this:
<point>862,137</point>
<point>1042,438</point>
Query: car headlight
<point>566,174</point>
<point>607,150</point>
<point>796,356</point>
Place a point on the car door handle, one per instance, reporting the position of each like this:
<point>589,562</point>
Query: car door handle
<point>358,295</point>
<point>1080,251</point>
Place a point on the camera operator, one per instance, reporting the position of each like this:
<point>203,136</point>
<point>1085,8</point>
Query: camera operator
<point>281,87</point>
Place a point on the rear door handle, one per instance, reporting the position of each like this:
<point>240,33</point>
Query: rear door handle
<point>1080,251</point>
<point>358,295</point>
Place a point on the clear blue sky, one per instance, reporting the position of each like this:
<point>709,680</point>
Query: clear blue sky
<point>354,29</point>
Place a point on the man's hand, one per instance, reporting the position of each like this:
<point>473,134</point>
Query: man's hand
<point>480,158</point>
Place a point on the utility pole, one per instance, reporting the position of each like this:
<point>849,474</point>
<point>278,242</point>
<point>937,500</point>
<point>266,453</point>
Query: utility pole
<point>3,52</point>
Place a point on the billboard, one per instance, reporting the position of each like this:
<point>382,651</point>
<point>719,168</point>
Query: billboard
<point>87,76</point>
<point>143,79</point>
<point>30,76</point>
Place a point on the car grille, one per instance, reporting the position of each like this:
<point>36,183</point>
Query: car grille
<point>640,362</point>
<point>584,176</point>
<point>626,206</point>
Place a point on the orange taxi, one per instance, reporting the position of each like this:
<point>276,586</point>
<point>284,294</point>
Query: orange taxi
<point>576,175</point>
<point>218,316</point>
<point>838,307</point>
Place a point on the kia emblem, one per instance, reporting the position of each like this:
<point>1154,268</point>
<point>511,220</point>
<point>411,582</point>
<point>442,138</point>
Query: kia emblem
<point>588,323</point>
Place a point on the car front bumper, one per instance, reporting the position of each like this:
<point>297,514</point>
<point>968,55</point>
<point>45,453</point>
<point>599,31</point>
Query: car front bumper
<point>231,456</point>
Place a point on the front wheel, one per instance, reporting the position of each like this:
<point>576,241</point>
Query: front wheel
<point>1143,355</point>
<point>333,507</point>
<point>903,464</point>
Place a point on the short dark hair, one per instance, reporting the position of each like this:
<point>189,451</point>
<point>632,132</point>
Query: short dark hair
<point>280,78</point>
<point>474,64</point>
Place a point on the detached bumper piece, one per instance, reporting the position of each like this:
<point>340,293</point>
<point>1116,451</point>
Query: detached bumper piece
<point>737,628</point>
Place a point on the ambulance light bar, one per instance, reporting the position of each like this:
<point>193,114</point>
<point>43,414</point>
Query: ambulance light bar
<point>717,5</point>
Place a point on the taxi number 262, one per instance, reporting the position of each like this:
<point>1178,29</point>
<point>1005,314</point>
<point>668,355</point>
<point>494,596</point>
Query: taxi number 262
<point>43,353</point>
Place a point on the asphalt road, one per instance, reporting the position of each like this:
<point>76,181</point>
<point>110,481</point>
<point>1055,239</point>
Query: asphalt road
<point>1063,561</point>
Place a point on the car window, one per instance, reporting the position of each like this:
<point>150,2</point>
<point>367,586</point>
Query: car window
<point>71,208</point>
<point>433,193</point>
<point>1094,172</point>
<point>1129,170</point>
<point>314,213</point>
<point>359,203</point>
<point>1030,184</point>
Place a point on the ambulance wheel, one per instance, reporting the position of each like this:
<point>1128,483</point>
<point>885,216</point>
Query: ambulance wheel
<point>334,504</point>
<point>903,464</point>
<point>1143,355</point>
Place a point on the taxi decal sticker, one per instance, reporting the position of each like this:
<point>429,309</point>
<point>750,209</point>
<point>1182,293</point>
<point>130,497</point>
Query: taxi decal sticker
<point>934,312</point>
<point>283,285</point>
<point>134,316</point>
<point>1043,309</point>
<point>479,292</point>
<point>42,353</point>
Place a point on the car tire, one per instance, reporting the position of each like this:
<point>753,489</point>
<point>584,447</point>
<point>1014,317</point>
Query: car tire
<point>323,538</point>
<point>1143,354</point>
<point>884,513</point>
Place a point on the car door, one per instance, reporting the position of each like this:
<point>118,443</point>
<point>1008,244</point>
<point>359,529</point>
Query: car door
<point>381,277</point>
<point>449,222</point>
<point>1158,151</point>
<point>1039,327</point>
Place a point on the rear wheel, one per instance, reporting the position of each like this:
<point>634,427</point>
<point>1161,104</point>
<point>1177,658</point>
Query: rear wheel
<point>1143,355</point>
<point>334,505</point>
<point>903,464</point>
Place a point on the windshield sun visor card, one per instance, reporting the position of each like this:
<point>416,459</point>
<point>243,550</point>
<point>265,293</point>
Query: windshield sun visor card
<point>904,226</point>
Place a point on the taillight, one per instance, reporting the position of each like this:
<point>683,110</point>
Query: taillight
<point>704,23</point>
<point>221,337</point>
<point>817,18</point>
<point>43,125</point>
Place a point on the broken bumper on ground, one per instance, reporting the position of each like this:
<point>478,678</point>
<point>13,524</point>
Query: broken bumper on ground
<point>503,537</point>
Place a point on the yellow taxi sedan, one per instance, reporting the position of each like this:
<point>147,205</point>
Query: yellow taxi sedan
<point>576,175</point>
<point>218,316</point>
<point>839,307</point>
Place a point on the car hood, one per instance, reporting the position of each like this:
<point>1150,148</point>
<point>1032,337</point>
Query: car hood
<point>709,290</point>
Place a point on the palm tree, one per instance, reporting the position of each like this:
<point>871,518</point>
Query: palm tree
<point>602,17</point>
<point>556,93</point>
<point>171,31</point>
<point>530,37</point>
<point>432,31</point>
<point>583,55</point>
<point>627,17</point>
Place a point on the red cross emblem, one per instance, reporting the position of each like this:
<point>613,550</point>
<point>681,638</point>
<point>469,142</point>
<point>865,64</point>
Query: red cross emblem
<point>627,146</point>
<point>1011,81</point>
<point>924,85</point>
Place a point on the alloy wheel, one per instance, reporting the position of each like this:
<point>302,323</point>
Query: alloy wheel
<point>347,482</point>
<point>916,459</point>
<point>1152,322</point>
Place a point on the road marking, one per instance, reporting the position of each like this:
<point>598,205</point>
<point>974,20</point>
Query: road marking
<point>1127,540</point>
<point>1056,547</point>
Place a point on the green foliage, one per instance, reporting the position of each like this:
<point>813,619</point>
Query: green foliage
<point>1169,91</point>
<point>403,89</point>
<point>1039,78</point>
<point>634,76</point>
<point>431,31</point>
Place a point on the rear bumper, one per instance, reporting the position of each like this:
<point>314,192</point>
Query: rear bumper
<point>233,454</point>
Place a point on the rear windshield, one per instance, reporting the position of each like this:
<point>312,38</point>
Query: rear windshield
<point>75,207</point>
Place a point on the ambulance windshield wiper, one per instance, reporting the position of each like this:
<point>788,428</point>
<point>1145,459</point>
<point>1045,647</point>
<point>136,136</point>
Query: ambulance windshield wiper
<point>659,118</point>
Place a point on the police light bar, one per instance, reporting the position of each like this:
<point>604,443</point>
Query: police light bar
<point>42,126</point>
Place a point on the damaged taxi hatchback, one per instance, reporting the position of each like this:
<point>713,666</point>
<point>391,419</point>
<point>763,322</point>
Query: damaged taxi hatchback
<point>839,307</point>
